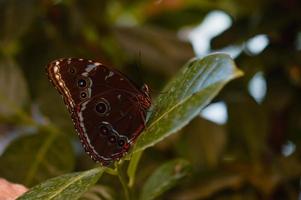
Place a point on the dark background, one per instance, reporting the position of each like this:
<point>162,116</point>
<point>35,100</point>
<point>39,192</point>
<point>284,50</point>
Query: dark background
<point>254,153</point>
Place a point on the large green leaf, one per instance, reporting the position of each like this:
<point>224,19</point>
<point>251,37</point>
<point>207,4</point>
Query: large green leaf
<point>68,186</point>
<point>165,177</point>
<point>34,158</point>
<point>184,97</point>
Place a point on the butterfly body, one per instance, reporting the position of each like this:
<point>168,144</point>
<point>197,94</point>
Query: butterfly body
<point>108,110</point>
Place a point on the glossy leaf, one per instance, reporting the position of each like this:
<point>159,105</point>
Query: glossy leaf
<point>164,178</point>
<point>68,186</point>
<point>184,96</point>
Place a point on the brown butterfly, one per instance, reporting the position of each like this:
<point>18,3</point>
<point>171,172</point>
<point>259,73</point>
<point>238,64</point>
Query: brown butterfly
<point>108,109</point>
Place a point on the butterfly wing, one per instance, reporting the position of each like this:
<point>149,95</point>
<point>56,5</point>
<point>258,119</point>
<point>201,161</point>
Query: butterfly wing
<point>104,104</point>
<point>79,79</point>
<point>108,124</point>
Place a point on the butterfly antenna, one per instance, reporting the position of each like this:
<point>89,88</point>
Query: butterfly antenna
<point>138,64</point>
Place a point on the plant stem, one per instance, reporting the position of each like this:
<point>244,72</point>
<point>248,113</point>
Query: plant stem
<point>111,171</point>
<point>132,168</point>
<point>123,182</point>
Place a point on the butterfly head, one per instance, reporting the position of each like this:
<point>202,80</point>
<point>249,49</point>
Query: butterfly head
<point>145,89</point>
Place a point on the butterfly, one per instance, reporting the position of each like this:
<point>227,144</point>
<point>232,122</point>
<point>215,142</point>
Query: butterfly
<point>107,108</point>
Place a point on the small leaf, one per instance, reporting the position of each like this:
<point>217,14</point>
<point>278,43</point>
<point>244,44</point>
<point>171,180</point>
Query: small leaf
<point>68,186</point>
<point>184,97</point>
<point>34,158</point>
<point>164,178</point>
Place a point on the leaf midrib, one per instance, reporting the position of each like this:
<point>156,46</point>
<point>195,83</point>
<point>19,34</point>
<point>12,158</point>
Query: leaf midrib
<point>67,185</point>
<point>182,102</point>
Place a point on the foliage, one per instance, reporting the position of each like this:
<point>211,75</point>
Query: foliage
<point>255,155</point>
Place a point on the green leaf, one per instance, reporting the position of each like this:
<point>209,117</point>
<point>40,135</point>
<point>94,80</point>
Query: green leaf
<point>184,96</point>
<point>131,171</point>
<point>34,158</point>
<point>68,186</point>
<point>164,178</point>
<point>13,88</point>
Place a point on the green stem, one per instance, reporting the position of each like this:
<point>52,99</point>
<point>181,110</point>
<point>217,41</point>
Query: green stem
<point>123,182</point>
<point>111,171</point>
<point>132,168</point>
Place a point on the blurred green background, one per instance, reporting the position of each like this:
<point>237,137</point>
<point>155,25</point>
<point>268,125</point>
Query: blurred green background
<point>244,145</point>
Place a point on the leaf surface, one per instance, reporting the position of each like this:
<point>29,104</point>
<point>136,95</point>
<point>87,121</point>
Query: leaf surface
<point>183,98</point>
<point>68,186</point>
<point>165,177</point>
<point>33,158</point>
